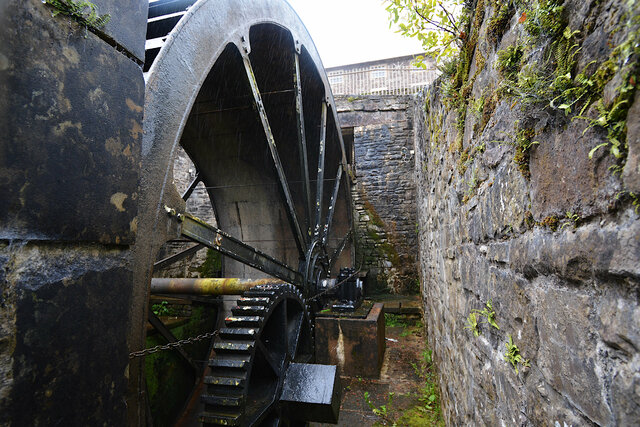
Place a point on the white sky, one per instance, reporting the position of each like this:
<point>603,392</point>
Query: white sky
<point>351,31</point>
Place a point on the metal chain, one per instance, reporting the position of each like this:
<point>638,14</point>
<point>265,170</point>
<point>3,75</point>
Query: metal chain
<point>172,345</point>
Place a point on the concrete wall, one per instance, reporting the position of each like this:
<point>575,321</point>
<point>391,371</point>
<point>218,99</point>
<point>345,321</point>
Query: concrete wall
<point>384,191</point>
<point>71,104</point>
<point>548,235</point>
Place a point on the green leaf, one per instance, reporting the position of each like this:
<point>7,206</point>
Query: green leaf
<point>596,148</point>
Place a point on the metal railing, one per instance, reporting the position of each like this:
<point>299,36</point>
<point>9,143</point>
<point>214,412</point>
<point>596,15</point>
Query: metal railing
<point>380,81</point>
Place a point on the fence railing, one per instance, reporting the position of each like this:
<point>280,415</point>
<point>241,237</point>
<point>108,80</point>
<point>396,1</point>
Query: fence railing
<point>380,81</point>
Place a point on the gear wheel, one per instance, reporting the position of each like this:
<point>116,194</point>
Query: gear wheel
<point>269,328</point>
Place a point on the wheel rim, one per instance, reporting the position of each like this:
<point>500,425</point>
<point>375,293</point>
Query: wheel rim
<point>282,135</point>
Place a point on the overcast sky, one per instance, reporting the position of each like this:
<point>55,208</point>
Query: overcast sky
<point>351,31</point>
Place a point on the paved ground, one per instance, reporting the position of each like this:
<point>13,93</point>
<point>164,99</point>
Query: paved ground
<point>405,346</point>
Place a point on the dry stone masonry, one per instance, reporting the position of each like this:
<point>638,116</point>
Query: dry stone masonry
<point>384,191</point>
<point>522,223</point>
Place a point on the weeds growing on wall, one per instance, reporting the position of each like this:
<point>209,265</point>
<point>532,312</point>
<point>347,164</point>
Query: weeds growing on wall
<point>524,142</point>
<point>555,84</point>
<point>513,356</point>
<point>477,317</point>
<point>503,10</point>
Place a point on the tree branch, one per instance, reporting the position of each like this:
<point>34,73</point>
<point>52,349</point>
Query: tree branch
<point>448,30</point>
<point>450,16</point>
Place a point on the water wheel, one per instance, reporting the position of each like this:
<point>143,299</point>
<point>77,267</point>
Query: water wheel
<point>239,87</point>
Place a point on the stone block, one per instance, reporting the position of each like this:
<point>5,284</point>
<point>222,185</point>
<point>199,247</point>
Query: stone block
<point>564,178</point>
<point>72,120</point>
<point>568,356</point>
<point>128,17</point>
<point>631,173</point>
<point>68,352</point>
<point>356,346</point>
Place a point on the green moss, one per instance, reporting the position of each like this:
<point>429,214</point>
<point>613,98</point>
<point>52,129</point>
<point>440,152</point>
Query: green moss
<point>529,221</point>
<point>462,161</point>
<point>509,61</point>
<point>472,186</point>
<point>488,109</point>
<point>551,222</point>
<point>391,253</point>
<point>212,266</point>
<point>524,142</point>
<point>499,21</point>
<point>544,18</point>
<point>169,378</point>
<point>373,215</point>
<point>373,235</point>
<point>456,90</point>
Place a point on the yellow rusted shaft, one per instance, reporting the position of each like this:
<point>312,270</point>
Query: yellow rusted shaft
<point>209,286</point>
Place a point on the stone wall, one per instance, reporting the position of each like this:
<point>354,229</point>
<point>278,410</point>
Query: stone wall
<point>384,191</point>
<point>514,212</point>
<point>71,103</point>
<point>198,204</point>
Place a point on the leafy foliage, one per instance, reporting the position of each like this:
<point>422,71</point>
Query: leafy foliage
<point>476,316</point>
<point>83,12</point>
<point>489,314</point>
<point>436,24</point>
<point>383,410</point>
<point>508,63</point>
<point>160,309</point>
<point>513,355</point>
<point>472,324</point>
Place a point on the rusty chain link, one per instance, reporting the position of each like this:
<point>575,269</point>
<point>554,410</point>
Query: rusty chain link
<point>172,345</point>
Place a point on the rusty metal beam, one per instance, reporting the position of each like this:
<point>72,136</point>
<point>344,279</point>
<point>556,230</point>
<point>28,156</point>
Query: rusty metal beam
<point>285,192</point>
<point>332,205</point>
<point>163,263</point>
<point>320,177</point>
<point>192,187</point>
<point>210,236</point>
<point>302,141</point>
<point>207,286</point>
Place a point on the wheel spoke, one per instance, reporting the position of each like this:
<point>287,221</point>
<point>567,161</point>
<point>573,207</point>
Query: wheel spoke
<point>192,187</point>
<point>332,205</point>
<point>339,249</point>
<point>164,263</point>
<point>320,177</point>
<point>210,236</point>
<point>273,364</point>
<point>302,141</point>
<point>168,335</point>
<point>284,186</point>
<point>294,335</point>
